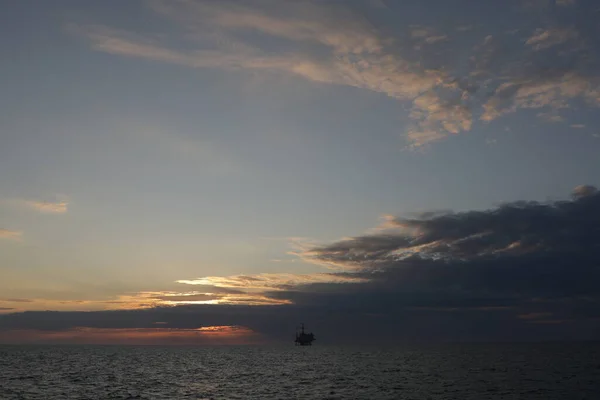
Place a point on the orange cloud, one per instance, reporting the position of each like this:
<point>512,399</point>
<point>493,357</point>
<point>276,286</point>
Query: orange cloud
<point>139,300</point>
<point>59,207</point>
<point>270,281</point>
<point>8,234</point>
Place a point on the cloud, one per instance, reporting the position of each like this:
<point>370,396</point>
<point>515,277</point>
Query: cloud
<point>435,117</point>
<point>11,300</point>
<point>334,44</point>
<point>381,73</point>
<point>307,23</point>
<point>59,207</point>
<point>519,251</point>
<point>9,234</point>
<point>552,91</point>
<point>270,281</point>
<point>427,35</point>
<point>225,290</point>
<point>564,3</point>
<point>550,117</point>
<point>196,297</point>
<point>355,53</point>
<point>535,316</point>
<point>583,191</point>
<point>546,38</point>
<point>520,271</point>
<point>189,297</point>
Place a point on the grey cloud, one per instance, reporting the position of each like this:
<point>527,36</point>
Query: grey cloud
<point>520,271</point>
<point>514,255</point>
<point>335,323</point>
<point>474,234</point>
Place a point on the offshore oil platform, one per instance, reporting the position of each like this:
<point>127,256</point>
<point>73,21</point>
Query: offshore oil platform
<point>304,338</point>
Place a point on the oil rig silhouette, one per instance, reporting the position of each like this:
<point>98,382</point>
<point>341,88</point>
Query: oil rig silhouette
<point>304,338</point>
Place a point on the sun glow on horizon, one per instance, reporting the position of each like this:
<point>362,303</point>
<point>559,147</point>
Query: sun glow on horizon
<point>207,335</point>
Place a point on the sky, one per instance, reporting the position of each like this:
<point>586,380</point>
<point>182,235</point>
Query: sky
<point>209,172</point>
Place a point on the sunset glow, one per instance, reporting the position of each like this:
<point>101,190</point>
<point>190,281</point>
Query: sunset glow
<point>196,171</point>
<point>230,335</point>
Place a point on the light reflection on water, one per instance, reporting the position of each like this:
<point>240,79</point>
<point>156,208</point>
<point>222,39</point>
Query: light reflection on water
<point>476,371</point>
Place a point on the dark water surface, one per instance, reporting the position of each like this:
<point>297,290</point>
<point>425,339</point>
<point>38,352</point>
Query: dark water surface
<point>474,371</point>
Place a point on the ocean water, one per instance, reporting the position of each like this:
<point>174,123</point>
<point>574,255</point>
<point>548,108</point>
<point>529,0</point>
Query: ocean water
<point>465,371</point>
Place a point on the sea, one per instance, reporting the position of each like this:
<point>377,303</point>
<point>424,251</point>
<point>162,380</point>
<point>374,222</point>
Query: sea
<point>444,371</point>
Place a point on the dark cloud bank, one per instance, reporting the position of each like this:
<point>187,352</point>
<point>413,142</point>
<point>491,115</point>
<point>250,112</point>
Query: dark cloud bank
<point>521,271</point>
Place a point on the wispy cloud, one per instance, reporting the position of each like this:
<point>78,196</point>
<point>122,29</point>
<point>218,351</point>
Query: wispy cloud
<point>60,204</point>
<point>273,281</point>
<point>539,92</point>
<point>59,207</point>
<point>330,43</point>
<point>546,38</point>
<point>427,35</point>
<point>373,71</point>
<point>249,296</point>
<point>13,300</point>
<point>356,50</point>
<point>550,117</point>
<point>10,234</point>
<point>435,117</point>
